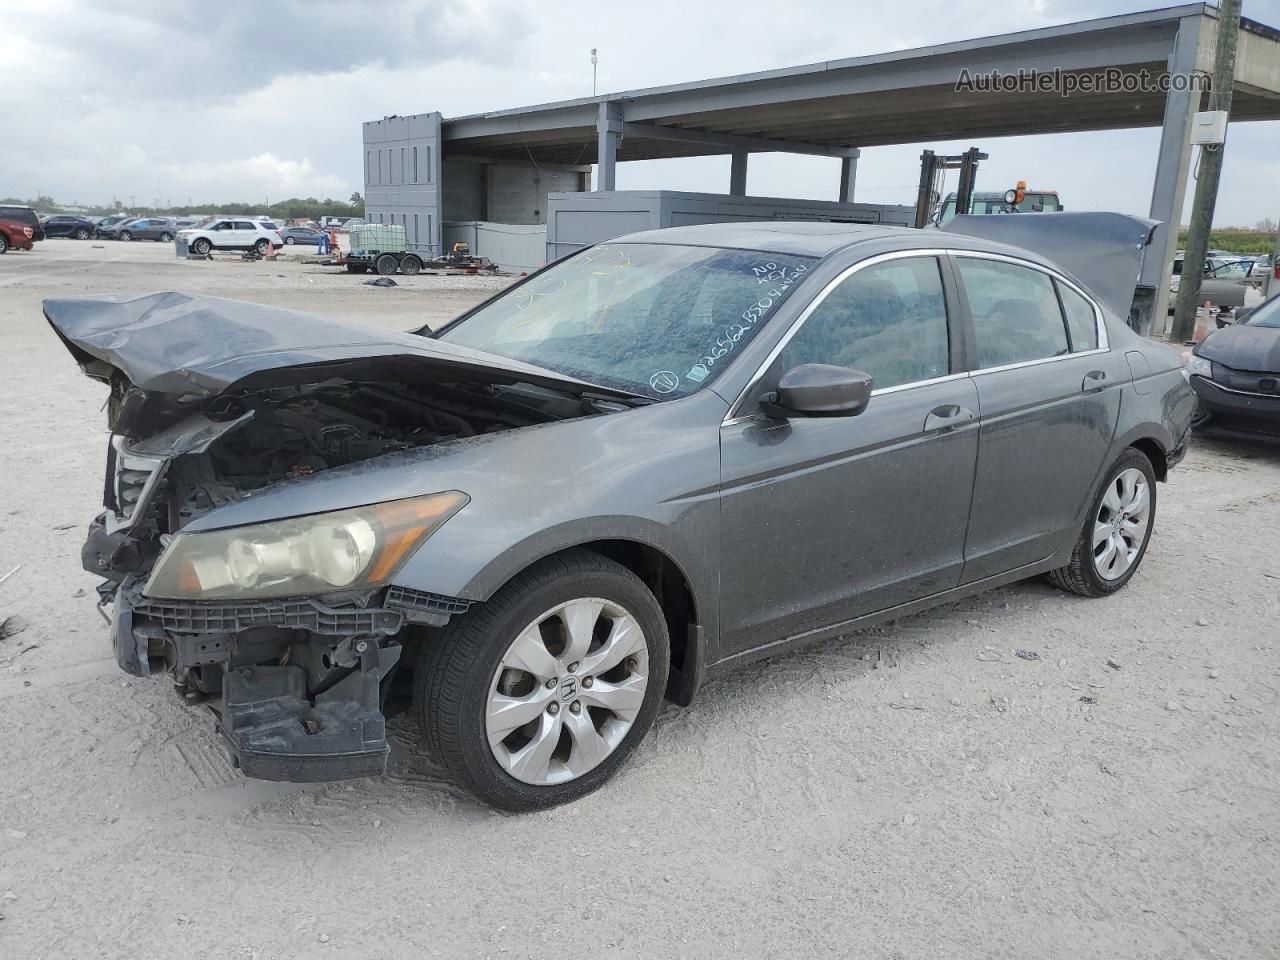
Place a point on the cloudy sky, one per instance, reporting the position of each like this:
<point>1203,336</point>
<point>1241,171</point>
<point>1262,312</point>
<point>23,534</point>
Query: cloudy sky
<point>247,99</point>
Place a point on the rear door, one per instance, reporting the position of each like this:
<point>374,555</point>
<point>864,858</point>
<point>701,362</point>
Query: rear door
<point>245,233</point>
<point>1049,394</point>
<point>826,519</point>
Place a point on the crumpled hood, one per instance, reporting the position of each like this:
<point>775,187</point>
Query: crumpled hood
<point>180,344</point>
<point>1242,347</point>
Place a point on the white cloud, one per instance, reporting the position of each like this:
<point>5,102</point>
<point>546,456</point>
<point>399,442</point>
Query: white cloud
<point>238,100</point>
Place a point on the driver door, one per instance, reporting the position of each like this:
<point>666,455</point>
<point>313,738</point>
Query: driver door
<point>825,519</point>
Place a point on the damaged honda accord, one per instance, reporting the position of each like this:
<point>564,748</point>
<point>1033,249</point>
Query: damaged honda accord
<point>661,457</point>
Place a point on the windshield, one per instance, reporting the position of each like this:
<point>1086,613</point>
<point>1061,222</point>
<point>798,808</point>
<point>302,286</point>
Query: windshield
<point>658,320</point>
<point>1267,315</point>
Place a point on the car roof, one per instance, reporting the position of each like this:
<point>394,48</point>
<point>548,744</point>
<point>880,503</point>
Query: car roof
<point>813,239</point>
<point>808,238</point>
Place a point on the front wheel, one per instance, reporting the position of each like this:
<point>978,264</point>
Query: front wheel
<point>126,235</point>
<point>537,696</point>
<point>4,244</point>
<point>201,247</point>
<point>1116,533</point>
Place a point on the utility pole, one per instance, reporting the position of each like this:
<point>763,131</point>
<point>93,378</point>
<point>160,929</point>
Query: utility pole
<point>1224,75</point>
<point>594,61</point>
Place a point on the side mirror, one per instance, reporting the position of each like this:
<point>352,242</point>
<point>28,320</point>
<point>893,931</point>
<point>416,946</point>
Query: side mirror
<point>819,390</point>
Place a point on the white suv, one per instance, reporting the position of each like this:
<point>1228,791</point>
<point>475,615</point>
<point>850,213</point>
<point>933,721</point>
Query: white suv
<point>228,234</point>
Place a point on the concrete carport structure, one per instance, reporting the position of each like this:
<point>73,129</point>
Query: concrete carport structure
<point>837,107</point>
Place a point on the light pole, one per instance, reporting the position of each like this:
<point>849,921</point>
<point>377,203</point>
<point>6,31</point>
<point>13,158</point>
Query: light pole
<point>594,61</point>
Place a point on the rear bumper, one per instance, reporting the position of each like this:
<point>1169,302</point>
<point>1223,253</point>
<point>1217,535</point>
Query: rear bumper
<point>1235,413</point>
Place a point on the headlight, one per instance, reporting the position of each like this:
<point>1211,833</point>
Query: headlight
<point>321,553</point>
<point>1197,367</point>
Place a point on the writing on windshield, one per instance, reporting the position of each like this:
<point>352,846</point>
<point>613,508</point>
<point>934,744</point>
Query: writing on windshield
<point>660,320</point>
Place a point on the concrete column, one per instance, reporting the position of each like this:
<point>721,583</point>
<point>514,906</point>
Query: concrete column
<point>848,173</point>
<point>1170,187</point>
<point>608,133</point>
<point>738,173</point>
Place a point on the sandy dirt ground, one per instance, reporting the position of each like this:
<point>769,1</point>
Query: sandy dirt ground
<point>914,791</point>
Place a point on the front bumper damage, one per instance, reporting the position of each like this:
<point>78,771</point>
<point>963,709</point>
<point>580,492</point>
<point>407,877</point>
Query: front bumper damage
<point>297,687</point>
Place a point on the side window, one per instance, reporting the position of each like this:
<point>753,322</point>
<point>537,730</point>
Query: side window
<point>1082,323</point>
<point>1016,316</point>
<point>224,225</point>
<point>244,225</point>
<point>888,320</point>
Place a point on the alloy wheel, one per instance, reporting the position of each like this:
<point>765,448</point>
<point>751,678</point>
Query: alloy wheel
<point>567,691</point>
<point>1121,526</point>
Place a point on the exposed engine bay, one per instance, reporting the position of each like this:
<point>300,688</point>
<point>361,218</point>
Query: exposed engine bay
<point>284,433</point>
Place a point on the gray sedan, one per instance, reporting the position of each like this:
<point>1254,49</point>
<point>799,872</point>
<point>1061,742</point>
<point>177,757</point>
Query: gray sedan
<point>653,461</point>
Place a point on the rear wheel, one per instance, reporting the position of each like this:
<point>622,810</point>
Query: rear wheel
<point>537,696</point>
<point>1116,534</point>
<point>410,265</point>
<point>386,264</point>
<point>289,241</point>
<point>82,234</point>
<point>166,237</point>
<point>262,246</point>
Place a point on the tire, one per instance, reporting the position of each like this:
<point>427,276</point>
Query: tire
<point>386,265</point>
<point>460,673</point>
<point>82,234</point>
<point>126,236</point>
<point>357,267</point>
<point>411,266</point>
<point>289,241</point>
<point>201,246</point>
<point>1097,568</point>
<point>166,237</point>
<point>262,246</point>
<point>4,244</point>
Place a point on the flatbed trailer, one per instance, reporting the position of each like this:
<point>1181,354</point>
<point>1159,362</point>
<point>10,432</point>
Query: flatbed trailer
<point>384,262</point>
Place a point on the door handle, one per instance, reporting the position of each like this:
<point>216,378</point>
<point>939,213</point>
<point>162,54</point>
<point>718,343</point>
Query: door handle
<point>947,417</point>
<point>1093,381</point>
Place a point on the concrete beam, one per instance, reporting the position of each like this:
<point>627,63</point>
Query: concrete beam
<point>848,173</point>
<point>609,129</point>
<point>729,142</point>
<point>1172,162</point>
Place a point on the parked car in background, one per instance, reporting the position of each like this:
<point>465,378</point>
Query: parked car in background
<point>106,224</point>
<point>111,231</point>
<point>15,235</point>
<point>160,229</point>
<point>654,460</point>
<point>1235,372</point>
<point>231,234</point>
<point>306,235</point>
<point>25,215</point>
<point>1225,283</point>
<point>79,228</point>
